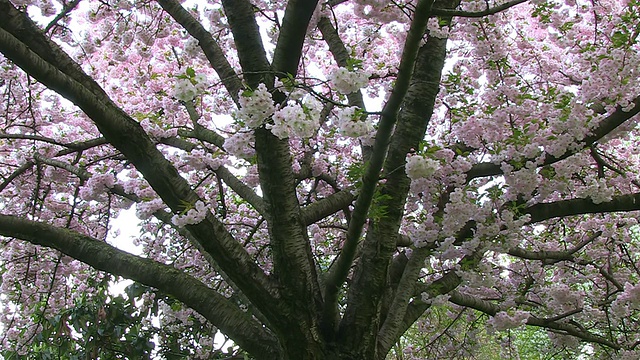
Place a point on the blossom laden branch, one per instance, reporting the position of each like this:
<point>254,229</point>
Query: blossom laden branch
<point>477,14</point>
<point>549,256</point>
<point>129,137</point>
<point>605,127</point>
<point>564,328</point>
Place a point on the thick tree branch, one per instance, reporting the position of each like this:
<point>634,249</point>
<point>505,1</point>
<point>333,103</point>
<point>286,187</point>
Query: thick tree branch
<point>293,261</point>
<point>416,308</point>
<point>80,146</point>
<point>413,120</point>
<point>563,208</point>
<point>246,34</point>
<point>322,208</point>
<point>549,256</point>
<point>178,143</point>
<point>203,134</point>
<point>404,292</point>
<point>372,173</point>
<point>286,56</point>
<point>234,322</point>
<point>371,275</point>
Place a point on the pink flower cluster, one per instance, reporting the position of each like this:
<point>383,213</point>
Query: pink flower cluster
<point>504,320</point>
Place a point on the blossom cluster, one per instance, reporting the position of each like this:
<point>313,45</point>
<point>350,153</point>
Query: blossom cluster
<point>145,209</point>
<point>435,30</point>
<point>255,106</point>
<point>240,144</point>
<point>96,185</point>
<point>627,300</point>
<point>199,159</point>
<point>188,87</point>
<point>192,216</point>
<point>349,123</point>
<point>420,167</point>
<point>598,191</point>
<point>297,119</point>
<point>504,320</point>
<point>346,81</point>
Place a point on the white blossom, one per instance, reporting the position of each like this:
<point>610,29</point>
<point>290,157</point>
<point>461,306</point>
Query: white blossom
<point>346,81</point>
<point>350,125</point>
<point>255,107</point>
<point>420,167</point>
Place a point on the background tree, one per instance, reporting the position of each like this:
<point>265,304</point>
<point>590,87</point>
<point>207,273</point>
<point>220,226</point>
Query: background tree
<point>483,179</point>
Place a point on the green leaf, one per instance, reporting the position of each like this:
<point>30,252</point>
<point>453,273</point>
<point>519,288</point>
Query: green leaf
<point>354,64</point>
<point>619,39</point>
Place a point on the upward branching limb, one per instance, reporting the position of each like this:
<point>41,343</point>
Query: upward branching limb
<point>248,41</point>
<point>381,144</point>
<point>286,56</point>
<point>445,284</point>
<point>380,243</point>
<point>342,56</point>
<point>209,46</point>
<point>293,262</point>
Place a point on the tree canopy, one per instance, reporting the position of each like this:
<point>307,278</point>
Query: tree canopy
<point>325,179</point>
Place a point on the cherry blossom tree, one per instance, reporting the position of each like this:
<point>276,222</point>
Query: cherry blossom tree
<point>315,179</point>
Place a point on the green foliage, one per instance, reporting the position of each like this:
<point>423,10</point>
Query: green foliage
<point>99,325</point>
<point>433,336</point>
<point>354,64</point>
<point>104,326</point>
<point>378,209</point>
<point>355,172</point>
